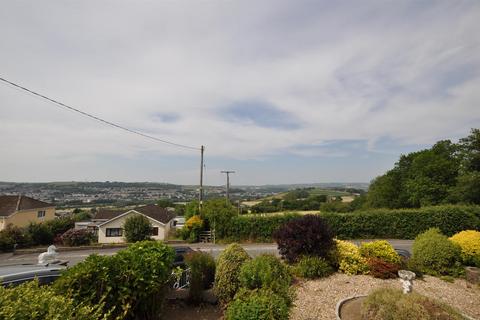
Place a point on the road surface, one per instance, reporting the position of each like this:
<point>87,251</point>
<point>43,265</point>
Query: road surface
<point>253,250</point>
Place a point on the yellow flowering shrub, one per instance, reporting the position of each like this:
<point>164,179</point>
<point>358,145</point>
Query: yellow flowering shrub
<point>349,259</point>
<point>380,249</point>
<point>469,242</point>
<point>194,221</point>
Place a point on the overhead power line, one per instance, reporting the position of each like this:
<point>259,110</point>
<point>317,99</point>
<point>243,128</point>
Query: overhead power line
<point>63,105</point>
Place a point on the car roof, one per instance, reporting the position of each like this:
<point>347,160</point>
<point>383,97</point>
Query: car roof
<point>15,272</point>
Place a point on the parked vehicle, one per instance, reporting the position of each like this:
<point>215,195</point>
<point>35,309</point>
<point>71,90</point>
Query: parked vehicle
<point>180,253</point>
<point>14,275</point>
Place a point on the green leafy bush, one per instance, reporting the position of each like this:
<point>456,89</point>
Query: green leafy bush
<point>268,272</point>
<point>393,304</point>
<point>13,235</point>
<point>382,269</point>
<point>312,267</point>
<point>30,301</point>
<point>137,228</point>
<point>306,235</point>
<point>59,226</point>
<point>40,233</point>
<point>380,249</point>
<point>130,284</point>
<point>257,304</point>
<point>229,264</point>
<point>202,273</point>
<point>435,254</point>
<point>79,237</point>
<point>346,256</point>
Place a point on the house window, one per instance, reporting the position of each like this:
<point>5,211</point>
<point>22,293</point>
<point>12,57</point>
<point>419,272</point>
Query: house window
<point>114,232</point>
<point>41,214</point>
<point>154,231</point>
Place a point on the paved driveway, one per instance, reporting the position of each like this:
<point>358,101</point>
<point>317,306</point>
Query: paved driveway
<point>253,249</point>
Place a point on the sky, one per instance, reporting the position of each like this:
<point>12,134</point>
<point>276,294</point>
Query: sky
<point>279,91</point>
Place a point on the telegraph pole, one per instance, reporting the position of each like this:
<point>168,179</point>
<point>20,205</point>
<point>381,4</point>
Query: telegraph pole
<point>228,182</point>
<point>200,194</point>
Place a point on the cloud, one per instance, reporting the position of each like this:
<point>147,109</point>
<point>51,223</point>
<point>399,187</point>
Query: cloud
<point>271,82</point>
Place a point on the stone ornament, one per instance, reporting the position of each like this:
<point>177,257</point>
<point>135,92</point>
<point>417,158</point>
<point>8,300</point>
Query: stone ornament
<point>406,278</point>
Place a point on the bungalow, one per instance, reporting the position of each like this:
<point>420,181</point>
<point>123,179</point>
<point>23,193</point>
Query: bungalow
<point>110,222</point>
<point>20,211</point>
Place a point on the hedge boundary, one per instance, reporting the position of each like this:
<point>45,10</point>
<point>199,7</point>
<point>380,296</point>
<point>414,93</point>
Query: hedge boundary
<point>366,224</point>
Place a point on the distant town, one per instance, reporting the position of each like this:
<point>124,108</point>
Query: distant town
<point>109,193</point>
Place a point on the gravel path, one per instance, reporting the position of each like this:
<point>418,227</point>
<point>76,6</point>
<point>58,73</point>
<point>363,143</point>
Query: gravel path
<point>316,299</point>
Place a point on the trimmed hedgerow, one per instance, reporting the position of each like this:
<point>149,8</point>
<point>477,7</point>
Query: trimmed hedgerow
<point>403,223</point>
<point>229,264</point>
<point>306,235</point>
<point>435,254</point>
<point>366,224</point>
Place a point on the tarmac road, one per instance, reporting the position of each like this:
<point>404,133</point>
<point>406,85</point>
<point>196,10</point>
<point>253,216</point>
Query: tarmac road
<point>253,250</point>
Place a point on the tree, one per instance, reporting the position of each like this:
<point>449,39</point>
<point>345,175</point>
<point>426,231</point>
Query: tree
<point>191,209</point>
<point>218,213</point>
<point>137,228</point>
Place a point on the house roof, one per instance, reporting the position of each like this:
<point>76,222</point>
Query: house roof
<point>10,204</point>
<point>153,211</point>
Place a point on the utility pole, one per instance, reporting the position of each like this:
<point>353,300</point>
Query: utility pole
<point>200,193</point>
<point>228,182</point>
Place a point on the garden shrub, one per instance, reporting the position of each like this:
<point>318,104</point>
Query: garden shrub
<point>258,304</point>
<point>347,257</point>
<point>137,228</point>
<point>59,226</point>
<point>229,264</point>
<point>202,273</point>
<point>130,284</point>
<point>31,301</point>
<point>79,237</point>
<point>469,242</point>
<point>434,254</point>
<point>306,235</point>
<point>393,304</point>
<point>12,235</point>
<point>382,269</point>
<point>193,227</point>
<point>312,267</point>
<point>40,234</point>
<point>380,249</point>
<point>268,272</point>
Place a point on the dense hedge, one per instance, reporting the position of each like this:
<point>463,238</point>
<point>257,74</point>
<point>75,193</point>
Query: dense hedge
<point>403,223</point>
<point>378,223</point>
<point>256,228</point>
